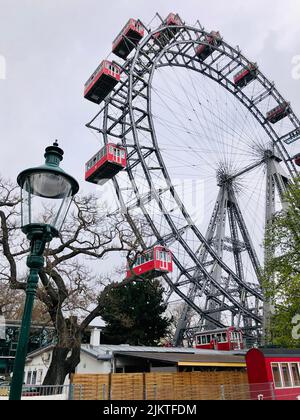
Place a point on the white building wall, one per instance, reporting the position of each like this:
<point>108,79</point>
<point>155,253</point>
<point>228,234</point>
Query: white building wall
<point>89,364</point>
<point>38,367</point>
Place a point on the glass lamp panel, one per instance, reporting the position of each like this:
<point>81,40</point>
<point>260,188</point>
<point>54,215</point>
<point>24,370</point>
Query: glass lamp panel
<point>63,211</point>
<point>44,202</point>
<point>26,204</point>
<point>49,185</point>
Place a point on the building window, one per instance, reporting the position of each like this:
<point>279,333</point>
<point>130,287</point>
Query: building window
<point>29,377</point>
<point>287,380</point>
<point>40,377</point>
<point>295,374</point>
<point>276,375</point>
<point>34,375</point>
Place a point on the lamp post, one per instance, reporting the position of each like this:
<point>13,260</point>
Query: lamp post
<point>46,188</point>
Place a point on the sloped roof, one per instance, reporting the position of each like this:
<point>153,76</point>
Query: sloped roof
<point>104,348</point>
<point>41,350</point>
<point>172,355</point>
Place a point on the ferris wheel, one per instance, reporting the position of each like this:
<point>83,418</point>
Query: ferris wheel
<point>211,146</point>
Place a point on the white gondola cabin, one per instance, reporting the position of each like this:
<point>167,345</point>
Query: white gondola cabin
<point>164,36</point>
<point>128,38</point>
<point>203,51</point>
<point>105,164</point>
<point>152,263</point>
<point>278,113</point>
<point>102,81</point>
<point>246,75</point>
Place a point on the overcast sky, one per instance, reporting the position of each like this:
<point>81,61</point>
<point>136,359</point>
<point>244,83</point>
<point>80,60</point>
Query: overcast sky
<point>52,46</point>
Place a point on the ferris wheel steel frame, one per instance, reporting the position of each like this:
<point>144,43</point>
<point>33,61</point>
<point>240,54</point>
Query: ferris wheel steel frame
<point>120,117</point>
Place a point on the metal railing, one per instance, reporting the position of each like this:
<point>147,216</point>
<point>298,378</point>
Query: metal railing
<point>40,392</point>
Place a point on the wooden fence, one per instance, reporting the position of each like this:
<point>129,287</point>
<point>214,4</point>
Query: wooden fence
<point>162,386</point>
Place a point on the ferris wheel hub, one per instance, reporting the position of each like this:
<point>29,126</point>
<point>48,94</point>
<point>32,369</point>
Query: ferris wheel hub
<point>270,155</point>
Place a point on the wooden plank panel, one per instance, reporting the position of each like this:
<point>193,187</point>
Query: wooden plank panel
<point>159,386</point>
<point>91,386</point>
<point>127,386</point>
<point>205,385</point>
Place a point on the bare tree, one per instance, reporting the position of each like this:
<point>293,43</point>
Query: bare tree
<point>69,282</point>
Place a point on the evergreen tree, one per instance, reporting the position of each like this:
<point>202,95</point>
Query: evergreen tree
<point>134,313</point>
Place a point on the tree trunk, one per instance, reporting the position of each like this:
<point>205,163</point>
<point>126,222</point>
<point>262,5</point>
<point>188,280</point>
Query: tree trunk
<point>57,371</point>
<point>66,354</point>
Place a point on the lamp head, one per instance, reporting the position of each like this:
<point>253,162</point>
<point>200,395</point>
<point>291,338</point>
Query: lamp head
<point>47,191</point>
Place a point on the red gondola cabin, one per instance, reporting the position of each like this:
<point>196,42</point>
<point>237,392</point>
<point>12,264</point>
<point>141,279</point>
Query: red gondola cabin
<point>102,81</point>
<point>245,76</point>
<point>297,159</point>
<point>128,38</point>
<point>164,36</point>
<point>223,340</point>
<point>110,160</point>
<point>274,374</point>
<point>278,113</point>
<point>152,263</point>
<point>213,39</point>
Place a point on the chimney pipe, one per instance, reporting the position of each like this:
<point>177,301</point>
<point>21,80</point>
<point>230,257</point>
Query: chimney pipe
<point>95,337</point>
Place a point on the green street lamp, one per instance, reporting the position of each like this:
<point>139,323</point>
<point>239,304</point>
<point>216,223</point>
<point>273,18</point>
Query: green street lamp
<point>47,193</point>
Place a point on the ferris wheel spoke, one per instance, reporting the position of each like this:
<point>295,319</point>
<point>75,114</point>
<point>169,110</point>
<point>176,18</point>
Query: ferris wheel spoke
<point>200,153</point>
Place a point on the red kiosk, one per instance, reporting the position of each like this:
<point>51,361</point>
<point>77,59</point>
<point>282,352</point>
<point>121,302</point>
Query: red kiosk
<point>274,374</point>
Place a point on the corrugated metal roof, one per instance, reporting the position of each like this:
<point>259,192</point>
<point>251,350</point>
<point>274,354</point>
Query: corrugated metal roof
<point>207,359</point>
<point>103,348</point>
<point>104,352</point>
